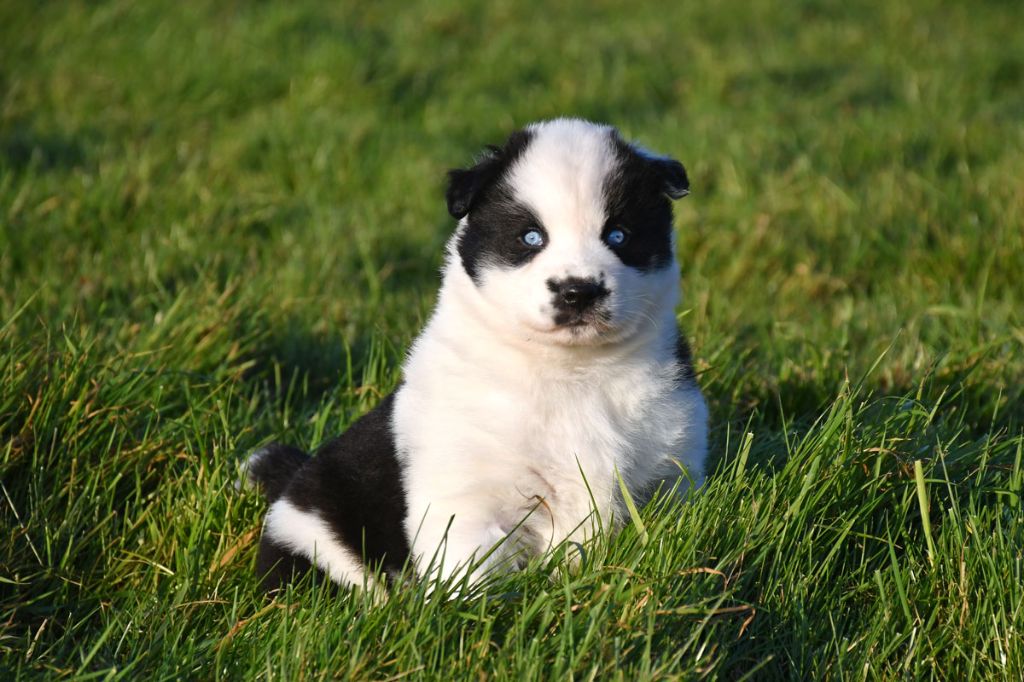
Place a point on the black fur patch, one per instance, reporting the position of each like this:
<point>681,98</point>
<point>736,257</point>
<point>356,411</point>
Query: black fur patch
<point>465,185</point>
<point>493,234</point>
<point>684,360</point>
<point>354,484</point>
<point>496,221</point>
<point>275,467</point>
<point>637,201</point>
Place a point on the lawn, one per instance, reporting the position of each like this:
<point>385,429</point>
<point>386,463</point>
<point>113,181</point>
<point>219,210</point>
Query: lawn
<point>221,224</point>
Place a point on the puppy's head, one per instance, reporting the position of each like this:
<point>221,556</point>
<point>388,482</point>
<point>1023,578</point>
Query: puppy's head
<point>566,232</point>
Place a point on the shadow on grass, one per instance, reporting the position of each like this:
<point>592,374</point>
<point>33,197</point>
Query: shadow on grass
<point>24,146</point>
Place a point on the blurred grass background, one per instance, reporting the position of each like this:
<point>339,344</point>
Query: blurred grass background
<point>221,223</point>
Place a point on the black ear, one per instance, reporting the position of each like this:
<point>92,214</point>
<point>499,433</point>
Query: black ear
<point>465,185</point>
<point>675,183</point>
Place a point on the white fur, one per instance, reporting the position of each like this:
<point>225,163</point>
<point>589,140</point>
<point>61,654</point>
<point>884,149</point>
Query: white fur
<point>500,408</point>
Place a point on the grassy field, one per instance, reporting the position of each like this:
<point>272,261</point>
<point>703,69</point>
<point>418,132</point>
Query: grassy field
<point>221,224</point>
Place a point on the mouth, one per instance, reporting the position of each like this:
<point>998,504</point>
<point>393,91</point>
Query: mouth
<point>597,320</point>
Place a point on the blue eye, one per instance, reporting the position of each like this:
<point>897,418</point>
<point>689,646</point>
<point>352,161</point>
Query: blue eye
<point>533,238</point>
<point>615,237</point>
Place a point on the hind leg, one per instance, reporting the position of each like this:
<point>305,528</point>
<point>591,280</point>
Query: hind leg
<point>277,567</point>
<point>300,538</point>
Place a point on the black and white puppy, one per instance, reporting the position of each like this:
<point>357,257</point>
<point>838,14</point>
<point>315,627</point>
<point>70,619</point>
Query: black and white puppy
<point>551,366</point>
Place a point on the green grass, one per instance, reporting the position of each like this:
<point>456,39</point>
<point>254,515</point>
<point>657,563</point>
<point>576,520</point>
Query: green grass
<point>221,223</point>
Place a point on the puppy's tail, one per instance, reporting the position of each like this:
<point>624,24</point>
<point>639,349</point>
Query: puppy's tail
<point>272,467</point>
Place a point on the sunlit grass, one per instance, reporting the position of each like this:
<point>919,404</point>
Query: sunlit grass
<point>221,224</point>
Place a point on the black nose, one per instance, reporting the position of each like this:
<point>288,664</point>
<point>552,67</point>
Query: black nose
<point>574,293</point>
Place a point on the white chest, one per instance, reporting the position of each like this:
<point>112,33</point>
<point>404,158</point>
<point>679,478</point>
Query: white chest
<point>498,442</point>
<point>521,435</point>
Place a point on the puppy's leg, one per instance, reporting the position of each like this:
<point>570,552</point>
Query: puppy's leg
<point>277,566</point>
<point>459,542</point>
<point>300,538</point>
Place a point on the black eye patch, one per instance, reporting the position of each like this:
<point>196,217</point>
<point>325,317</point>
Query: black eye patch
<point>494,234</point>
<point>497,225</point>
<point>637,201</point>
<point>649,226</point>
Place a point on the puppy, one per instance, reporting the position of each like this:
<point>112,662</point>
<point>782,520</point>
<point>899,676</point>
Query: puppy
<point>551,369</point>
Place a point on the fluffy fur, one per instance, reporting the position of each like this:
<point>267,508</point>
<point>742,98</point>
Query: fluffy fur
<point>552,361</point>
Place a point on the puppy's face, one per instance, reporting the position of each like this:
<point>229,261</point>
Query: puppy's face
<point>566,232</point>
